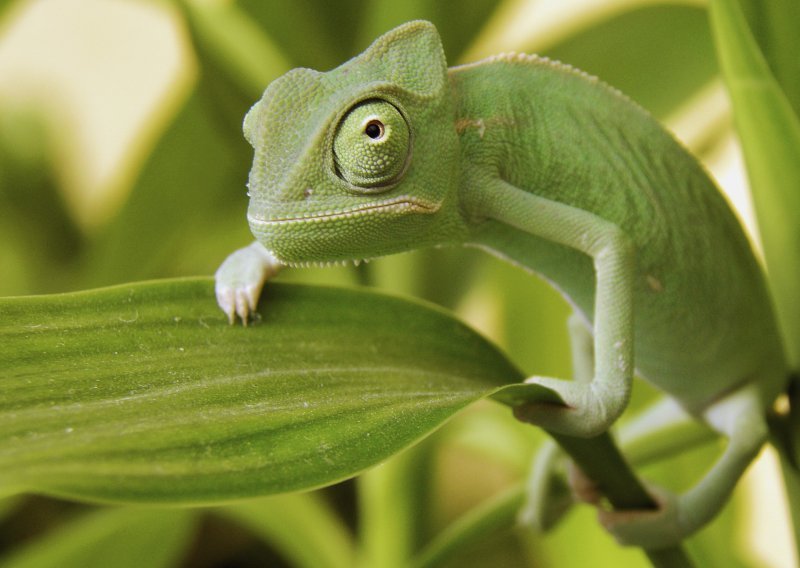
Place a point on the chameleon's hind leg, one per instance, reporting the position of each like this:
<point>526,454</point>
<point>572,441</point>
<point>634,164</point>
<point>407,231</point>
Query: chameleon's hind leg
<point>740,418</point>
<point>662,430</point>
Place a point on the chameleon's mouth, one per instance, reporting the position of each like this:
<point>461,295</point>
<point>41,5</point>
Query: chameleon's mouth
<point>397,205</point>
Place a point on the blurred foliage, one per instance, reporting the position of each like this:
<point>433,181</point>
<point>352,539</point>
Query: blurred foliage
<point>184,212</point>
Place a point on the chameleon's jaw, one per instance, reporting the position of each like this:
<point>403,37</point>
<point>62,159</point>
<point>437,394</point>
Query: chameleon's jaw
<point>398,205</point>
<point>370,229</point>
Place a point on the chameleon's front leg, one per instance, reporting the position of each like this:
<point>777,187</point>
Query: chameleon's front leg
<point>240,277</point>
<point>590,407</point>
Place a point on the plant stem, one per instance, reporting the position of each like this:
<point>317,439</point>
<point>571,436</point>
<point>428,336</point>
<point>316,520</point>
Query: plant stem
<point>500,512</point>
<point>601,461</point>
<point>389,497</point>
<point>497,513</point>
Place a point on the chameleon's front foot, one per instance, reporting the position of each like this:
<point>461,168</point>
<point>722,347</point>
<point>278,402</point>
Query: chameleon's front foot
<point>588,409</point>
<point>239,280</point>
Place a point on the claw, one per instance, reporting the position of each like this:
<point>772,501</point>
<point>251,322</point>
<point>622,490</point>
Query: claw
<point>240,278</point>
<point>242,305</point>
<point>225,299</point>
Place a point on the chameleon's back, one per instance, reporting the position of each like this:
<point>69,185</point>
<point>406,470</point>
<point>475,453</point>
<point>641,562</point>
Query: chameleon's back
<point>702,310</point>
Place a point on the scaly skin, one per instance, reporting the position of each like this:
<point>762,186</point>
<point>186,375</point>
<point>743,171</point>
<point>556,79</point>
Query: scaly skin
<point>556,172</point>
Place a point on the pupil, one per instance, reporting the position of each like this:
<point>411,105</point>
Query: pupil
<point>374,130</point>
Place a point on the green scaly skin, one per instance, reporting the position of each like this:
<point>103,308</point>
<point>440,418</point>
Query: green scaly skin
<point>558,173</point>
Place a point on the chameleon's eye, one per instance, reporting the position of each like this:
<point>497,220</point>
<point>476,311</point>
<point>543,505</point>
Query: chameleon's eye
<point>372,144</point>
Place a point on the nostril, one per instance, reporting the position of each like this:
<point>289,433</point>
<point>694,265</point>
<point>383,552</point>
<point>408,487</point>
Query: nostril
<point>308,192</point>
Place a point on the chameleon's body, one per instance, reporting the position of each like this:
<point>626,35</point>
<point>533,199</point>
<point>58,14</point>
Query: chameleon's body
<point>552,170</point>
<point>702,310</point>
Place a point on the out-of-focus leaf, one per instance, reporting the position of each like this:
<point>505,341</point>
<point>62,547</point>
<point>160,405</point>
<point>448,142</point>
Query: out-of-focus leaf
<point>775,27</point>
<point>769,131</point>
<point>8,505</point>
<point>533,316</point>
<point>313,33</point>
<point>193,183</point>
<point>441,276</point>
<point>195,178</point>
<point>143,392</point>
<point>32,209</point>
<point>122,538</point>
<point>658,55</point>
<point>299,525</point>
<point>4,7</point>
<point>233,43</point>
<point>392,506</point>
<point>456,27</point>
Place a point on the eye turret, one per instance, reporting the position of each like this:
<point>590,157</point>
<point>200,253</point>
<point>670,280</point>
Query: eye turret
<point>372,144</point>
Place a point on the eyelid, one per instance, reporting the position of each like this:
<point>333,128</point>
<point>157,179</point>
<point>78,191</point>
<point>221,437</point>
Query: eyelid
<point>338,170</point>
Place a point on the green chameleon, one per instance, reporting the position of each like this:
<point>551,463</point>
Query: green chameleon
<point>553,171</point>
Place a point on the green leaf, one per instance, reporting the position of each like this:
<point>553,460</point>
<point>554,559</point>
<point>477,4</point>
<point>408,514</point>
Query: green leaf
<point>193,181</point>
<point>313,33</point>
<point>4,7</point>
<point>770,135</point>
<point>122,538</point>
<point>8,506</point>
<point>231,41</point>
<point>144,393</point>
<point>456,27</point>
<point>36,224</point>
<point>774,26</point>
<point>658,55</point>
<point>301,526</point>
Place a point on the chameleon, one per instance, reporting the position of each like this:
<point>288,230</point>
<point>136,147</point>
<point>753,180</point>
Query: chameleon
<point>558,173</point>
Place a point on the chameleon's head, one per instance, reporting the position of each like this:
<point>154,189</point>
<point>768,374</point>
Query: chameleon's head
<point>360,161</point>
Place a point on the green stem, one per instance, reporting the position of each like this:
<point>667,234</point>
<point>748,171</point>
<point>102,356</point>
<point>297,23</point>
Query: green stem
<point>388,497</point>
<point>500,512</point>
<point>302,526</point>
<point>497,513</point>
<point>601,461</point>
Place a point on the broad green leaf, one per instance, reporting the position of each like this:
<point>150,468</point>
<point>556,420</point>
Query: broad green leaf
<point>122,538</point>
<point>301,526</point>
<point>769,131</point>
<point>143,392</point>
